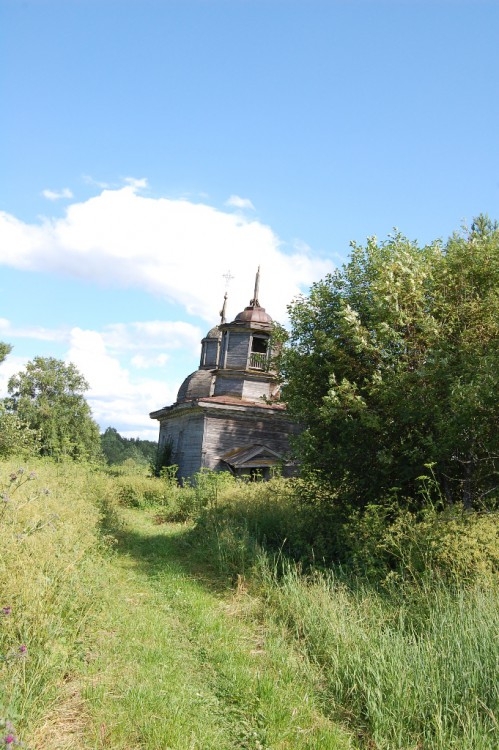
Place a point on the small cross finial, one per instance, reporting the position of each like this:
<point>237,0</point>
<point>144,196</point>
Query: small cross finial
<point>228,278</point>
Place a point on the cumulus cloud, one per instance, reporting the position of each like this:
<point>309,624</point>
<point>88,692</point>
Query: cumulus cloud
<point>175,248</point>
<point>116,396</point>
<point>56,195</point>
<point>152,334</point>
<point>145,363</point>
<point>237,202</point>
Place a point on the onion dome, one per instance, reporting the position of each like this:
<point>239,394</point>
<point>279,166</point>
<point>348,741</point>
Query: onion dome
<point>254,315</point>
<point>196,385</point>
<point>213,333</point>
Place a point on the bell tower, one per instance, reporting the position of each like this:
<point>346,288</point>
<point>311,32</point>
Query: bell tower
<point>244,363</point>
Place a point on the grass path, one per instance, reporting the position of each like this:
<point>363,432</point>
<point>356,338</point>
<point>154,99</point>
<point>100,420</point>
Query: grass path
<point>175,663</point>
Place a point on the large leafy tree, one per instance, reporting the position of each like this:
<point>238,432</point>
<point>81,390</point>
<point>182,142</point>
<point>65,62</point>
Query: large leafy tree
<point>48,396</point>
<point>393,364</point>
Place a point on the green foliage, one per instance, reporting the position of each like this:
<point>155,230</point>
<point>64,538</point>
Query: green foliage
<point>410,668</point>
<point>16,437</point>
<point>48,397</point>
<point>162,459</point>
<point>50,568</point>
<point>393,363</point>
<point>403,632</point>
<point>117,449</point>
<point>4,350</point>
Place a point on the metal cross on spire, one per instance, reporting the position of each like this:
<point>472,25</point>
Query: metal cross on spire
<point>228,278</point>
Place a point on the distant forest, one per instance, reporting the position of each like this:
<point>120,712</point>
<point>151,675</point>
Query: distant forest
<point>118,449</point>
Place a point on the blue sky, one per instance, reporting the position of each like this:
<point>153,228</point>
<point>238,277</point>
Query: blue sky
<point>147,147</point>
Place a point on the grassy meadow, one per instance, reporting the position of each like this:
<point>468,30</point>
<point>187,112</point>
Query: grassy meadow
<point>137,614</point>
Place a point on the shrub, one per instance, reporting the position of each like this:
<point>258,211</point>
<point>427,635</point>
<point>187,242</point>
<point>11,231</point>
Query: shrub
<point>16,437</point>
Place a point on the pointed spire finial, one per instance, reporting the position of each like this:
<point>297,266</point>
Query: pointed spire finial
<point>223,310</point>
<point>254,302</point>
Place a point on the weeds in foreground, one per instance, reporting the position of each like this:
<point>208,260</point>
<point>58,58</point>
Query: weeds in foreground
<point>49,571</point>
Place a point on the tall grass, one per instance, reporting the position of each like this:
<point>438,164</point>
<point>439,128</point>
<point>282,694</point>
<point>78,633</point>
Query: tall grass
<point>50,518</point>
<point>412,668</point>
<point>404,631</point>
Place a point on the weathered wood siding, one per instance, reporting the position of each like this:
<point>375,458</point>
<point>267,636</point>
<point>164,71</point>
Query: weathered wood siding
<point>229,386</point>
<point>185,433</point>
<point>237,351</point>
<point>210,354</point>
<point>225,431</point>
<point>256,389</point>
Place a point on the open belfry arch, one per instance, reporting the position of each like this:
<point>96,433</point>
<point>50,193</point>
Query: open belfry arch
<point>227,416</point>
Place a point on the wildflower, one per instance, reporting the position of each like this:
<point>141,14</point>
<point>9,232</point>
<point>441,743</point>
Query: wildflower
<point>13,477</point>
<point>5,497</point>
<point>23,649</point>
<point>32,475</point>
<point>9,739</point>
<point>6,610</point>
<point>20,471</point>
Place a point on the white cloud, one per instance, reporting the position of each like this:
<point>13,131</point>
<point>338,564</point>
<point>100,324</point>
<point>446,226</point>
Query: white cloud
<point>152,334</point>
<point>145,363</point>
<point>89,180</point>
<point>56,195</point>
<point>117,397</point>
<point>237,202</point>
<point>10,366</point>
<point>170,247</point>
<point>136,183</point>
<point>32,332</point>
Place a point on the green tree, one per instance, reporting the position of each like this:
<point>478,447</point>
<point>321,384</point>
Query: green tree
<point>15,436</point>
<point>48,397</point>
<point>393,363</point>
<point>117,449</point>
<point>4,350</point>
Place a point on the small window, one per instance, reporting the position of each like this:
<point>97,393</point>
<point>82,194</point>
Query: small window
<point>259,345</point>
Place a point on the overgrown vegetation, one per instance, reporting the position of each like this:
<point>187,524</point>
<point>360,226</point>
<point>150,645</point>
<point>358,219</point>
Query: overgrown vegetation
<point>392,364</point>
<point>396,647</point>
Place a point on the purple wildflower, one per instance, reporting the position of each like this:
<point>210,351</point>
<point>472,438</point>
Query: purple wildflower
<point>32,475</point>
<point>23,649</point>
<point>9,739</point>
<point>6,610</point>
